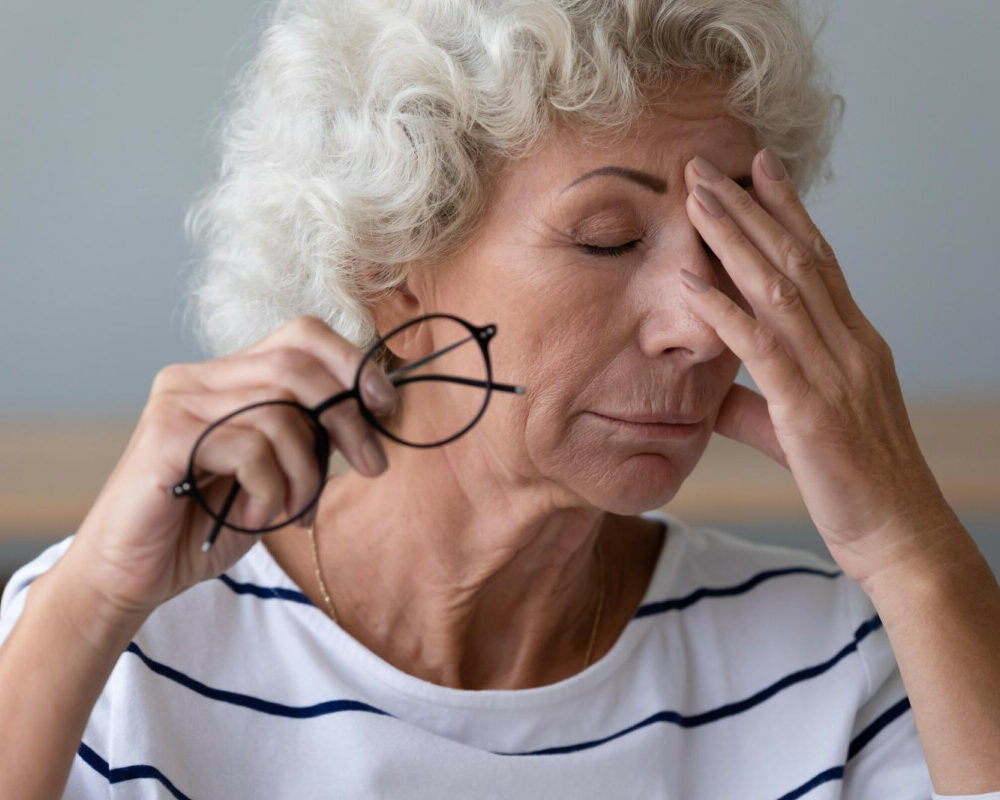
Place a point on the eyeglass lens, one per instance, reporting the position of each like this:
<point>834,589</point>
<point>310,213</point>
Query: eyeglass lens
<point>441,374</point>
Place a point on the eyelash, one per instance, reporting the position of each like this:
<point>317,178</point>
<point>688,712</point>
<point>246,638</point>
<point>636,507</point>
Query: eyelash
<point>622,249</point>
<point>617,250</point>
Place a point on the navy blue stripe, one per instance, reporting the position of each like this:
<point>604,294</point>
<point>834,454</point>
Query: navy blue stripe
<point>134,772</point>
<point>728,710</point>
<point>265,592</point>
<point>656,607</point>
<point>248,701</point>
<point>832,774</point>
<point>857,744</point>
<point>869,733</point>
<point>680,603</point>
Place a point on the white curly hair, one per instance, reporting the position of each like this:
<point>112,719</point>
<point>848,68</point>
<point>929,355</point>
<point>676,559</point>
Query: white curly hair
<point>364,135</point>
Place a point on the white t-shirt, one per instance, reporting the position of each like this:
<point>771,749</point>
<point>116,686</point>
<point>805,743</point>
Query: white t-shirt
<point>748,672</point>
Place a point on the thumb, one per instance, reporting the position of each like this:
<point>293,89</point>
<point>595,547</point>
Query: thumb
<point>744,417</point>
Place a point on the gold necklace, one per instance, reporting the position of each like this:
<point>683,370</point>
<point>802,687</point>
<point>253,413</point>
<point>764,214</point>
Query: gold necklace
<point>332,611</point>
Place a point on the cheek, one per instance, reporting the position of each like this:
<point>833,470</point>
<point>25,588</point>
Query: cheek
<point>556,370</point>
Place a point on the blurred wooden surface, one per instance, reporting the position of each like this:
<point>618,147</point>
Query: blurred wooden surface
<point>50,472</point>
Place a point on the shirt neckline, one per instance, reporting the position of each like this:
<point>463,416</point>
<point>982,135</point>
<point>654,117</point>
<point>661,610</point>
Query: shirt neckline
<point>370,672</point>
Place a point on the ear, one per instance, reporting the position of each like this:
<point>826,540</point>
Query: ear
<point>396,307</point>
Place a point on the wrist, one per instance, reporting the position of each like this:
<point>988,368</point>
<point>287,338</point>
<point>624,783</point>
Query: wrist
<point>945,564</point>
<point>89,614</point>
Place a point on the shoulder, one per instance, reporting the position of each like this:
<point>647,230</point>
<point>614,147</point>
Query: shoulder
<point>775,607</point>
<point>721,564</point>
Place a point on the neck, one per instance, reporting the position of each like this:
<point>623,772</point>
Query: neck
<point>496,589</point>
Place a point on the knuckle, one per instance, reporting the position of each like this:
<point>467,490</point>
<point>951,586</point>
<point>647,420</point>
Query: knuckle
<point>734,237</point>
<point>883,350</point>
<point>765,342</point>
<point>821,247</point>
<point>742,201</point>
<point>782,292</point>
<point>291,360</point>
<point>169,378</point>
<point>876,355</point>
<point>796,259</point>
<point>861,362</point>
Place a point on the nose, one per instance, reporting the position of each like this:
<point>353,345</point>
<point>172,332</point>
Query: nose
<point>667,324</point>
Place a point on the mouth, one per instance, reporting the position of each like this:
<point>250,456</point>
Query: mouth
<point>651,426</point>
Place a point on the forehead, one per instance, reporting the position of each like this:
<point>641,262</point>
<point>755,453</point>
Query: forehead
<point>679,124</point>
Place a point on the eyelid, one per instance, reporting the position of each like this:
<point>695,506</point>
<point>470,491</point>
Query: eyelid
<point>610,251</point>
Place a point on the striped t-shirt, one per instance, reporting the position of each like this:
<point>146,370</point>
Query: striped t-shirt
<point>748,672</point>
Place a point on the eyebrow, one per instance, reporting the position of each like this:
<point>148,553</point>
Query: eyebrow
<point>658,185</point>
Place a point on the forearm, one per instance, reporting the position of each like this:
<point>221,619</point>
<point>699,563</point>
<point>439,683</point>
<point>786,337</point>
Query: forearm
<point>942,615</point>
<point>53,667</point>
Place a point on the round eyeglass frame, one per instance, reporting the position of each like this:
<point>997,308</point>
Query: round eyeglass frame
<point>481,335</point>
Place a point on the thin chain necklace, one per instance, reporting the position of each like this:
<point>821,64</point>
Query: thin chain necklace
<point>332,611</point>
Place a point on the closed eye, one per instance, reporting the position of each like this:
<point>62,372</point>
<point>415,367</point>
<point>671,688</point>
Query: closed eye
<point>616,250</point>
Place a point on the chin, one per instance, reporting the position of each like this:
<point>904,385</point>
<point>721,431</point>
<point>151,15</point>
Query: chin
<point>640,483</point>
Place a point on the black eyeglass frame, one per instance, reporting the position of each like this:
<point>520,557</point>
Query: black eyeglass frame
<point>187,486</point>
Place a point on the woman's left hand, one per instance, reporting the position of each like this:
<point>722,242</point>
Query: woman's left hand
<point>832,410</point>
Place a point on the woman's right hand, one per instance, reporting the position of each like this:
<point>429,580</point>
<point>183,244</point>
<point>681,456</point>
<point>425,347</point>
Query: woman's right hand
<point>139,545</point>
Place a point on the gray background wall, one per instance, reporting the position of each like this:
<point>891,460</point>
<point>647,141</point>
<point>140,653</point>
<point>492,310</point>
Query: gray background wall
<point>106,109</point>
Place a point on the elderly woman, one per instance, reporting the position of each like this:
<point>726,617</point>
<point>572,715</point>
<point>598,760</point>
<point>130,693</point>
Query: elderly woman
<point>605,195</point>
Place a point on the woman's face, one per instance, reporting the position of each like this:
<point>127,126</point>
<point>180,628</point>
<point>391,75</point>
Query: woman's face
<point>577,261</point>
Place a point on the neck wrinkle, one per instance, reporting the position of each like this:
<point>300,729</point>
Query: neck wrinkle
<point>467,592</point>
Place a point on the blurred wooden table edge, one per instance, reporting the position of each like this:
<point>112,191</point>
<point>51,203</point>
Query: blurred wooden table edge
<point>51,471</point>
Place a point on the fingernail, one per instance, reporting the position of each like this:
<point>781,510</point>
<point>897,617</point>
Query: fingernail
<point>772,165</point>
<point>373,456</point>
<point>707,170</point>
<point>379,392</point>
<point>693,282</point>
<point>709,201</point>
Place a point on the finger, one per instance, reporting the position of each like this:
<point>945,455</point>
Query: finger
<point>744,417</point>
<point>338,356</point>
<point>243,453</point>
<point>774,298</point>
<point>780,199</point>
<point>248,508</point>
<point>754,343</point>
<point>347,430</point>
<point>777,245</point>
<point>292,437</point>
<point>285,368</point>
<point>308,382</point>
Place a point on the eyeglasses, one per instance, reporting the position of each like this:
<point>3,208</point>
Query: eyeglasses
<point>438,362</point>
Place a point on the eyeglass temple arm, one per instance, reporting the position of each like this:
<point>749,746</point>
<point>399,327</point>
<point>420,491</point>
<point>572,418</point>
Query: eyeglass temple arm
<point>421,361</point>
<point>230,499</point>
<point>499,387</point>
